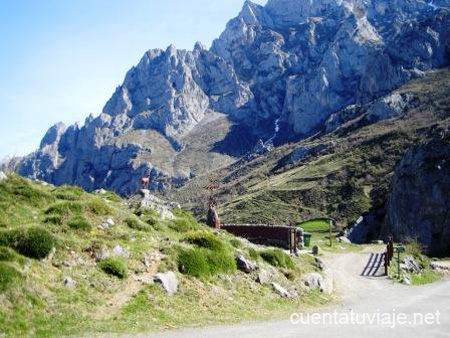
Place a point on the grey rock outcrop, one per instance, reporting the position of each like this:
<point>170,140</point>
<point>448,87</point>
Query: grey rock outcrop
<point>418,207</point>
<point>245,265</point>
<point>277,73</point>
<point>150,201</point>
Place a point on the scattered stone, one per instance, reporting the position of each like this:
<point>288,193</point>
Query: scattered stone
<point>110,222</point>
<point>443,267</point>
<point>69,282</point>
<point>3,176</point>
<point>100,191</point>
<point>102,255</point>
<point>168,281</point>
<point>319,263</point>
<point>245,265</point>
<point>283,292</point>
<point>407,280</point>
<point>343,239</point>
<point>313,281</point>
<point>410,265</point>
<point>316,250</point>
<point>67,264</point>
<point>120,252</point>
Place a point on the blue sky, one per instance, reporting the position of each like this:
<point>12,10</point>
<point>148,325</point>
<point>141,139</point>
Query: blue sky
<point>62,60</point>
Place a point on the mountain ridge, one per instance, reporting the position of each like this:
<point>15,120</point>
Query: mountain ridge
<point>271,76</point>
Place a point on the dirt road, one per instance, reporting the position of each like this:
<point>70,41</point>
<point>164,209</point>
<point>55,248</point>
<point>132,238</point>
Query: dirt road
<point>364,296</point>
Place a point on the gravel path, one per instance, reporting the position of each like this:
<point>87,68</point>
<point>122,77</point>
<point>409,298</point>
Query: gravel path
<point>359,294</point>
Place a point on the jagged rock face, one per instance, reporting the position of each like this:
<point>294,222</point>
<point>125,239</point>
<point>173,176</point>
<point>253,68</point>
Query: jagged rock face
<point>419,206</point>
<point>279,71</point>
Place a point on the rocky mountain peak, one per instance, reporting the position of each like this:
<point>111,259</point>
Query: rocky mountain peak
<point>277,73</point>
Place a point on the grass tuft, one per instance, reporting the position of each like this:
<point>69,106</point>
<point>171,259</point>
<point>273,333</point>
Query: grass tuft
<point>277,258</point>
<point>114,267</point>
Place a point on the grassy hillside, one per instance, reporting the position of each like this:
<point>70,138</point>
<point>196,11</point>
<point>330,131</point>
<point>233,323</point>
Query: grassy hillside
<point>56,279</point>
<point>347,180</point>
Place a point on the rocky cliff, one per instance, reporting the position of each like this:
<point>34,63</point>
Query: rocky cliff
<point>276,73</point>
<point>419,206</point>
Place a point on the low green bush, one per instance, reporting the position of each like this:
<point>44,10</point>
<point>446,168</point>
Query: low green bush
<point>201,262</point>
<point>34,242</point>
<point>206,240</point>
<point>8,276</point>
<point>136,224</point>
<point>277,258</point>
<point>193,262</point>
<point>80,223</point>
<point>114,267</point>
<point>221,262</point>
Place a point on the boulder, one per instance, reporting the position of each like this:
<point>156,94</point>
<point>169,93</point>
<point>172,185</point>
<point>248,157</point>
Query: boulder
<point>168,281</point>
<point>2,176</point>
<point>245,265</point>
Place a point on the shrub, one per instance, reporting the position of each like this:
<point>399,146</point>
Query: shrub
<point>136,224</point>
<point>221,262</point>
<point>98,207</point>
<point>33,242</point>
<point>277,258</point>
<point>193,262</point>
<point>205,240</point>
<point>114,267</point>
<point>8,276</point>
<point>201,262</point>
<point>80,223</point>
<point>64,209</point>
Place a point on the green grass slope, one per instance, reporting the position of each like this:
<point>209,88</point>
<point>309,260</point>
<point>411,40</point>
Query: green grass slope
<point>53,284</point>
